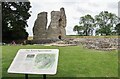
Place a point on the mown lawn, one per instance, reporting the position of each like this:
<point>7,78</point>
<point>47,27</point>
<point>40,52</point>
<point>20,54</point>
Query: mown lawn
<point>74,61</point>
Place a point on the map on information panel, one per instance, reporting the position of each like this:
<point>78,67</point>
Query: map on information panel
<point>41,61</point>
<point>35,61</point>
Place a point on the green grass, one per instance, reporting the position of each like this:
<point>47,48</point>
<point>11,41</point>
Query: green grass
<point>74,61</point>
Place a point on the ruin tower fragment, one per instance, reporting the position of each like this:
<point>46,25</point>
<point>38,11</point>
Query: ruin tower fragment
<point>56,29</point>
<point>39,29</point>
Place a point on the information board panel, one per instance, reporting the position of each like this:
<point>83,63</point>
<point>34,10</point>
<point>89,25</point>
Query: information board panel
<point>35,61</point>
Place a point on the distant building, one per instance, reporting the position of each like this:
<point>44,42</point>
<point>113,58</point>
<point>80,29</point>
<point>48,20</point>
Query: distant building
<point>119,8</point>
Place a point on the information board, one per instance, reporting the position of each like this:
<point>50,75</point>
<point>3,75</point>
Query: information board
<point>35,61</point>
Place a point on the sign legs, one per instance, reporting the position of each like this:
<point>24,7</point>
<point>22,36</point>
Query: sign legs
<point>44,76</point>
<point>26,76</point>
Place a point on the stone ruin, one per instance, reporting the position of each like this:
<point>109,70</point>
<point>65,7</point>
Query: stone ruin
<point>103,44</point>
<point>56,29</point>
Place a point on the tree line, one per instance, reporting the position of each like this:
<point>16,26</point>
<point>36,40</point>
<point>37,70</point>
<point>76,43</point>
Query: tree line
<point>104,23</point>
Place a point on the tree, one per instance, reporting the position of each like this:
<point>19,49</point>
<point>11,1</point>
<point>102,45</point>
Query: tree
<point>105,22</point>
<point>117,28</point>
<point>85,26</point>
<point>78,29</point>
<point>14,20</point>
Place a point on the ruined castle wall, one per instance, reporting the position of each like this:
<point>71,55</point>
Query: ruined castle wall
<point>39,29</point>
<point>56,28</point>
<point>62,22</point>
<point>53,28</point>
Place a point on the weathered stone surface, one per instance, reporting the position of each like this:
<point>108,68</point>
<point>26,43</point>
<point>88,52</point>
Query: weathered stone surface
<point>56,28</point>
<point>98,43</point>
<point>91,43</point>
<point>39,29</point>
<point>62,22</point>
<point>53,28</point>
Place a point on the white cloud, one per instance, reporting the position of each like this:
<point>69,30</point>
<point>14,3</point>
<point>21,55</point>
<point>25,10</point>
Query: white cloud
<point>112,5</point>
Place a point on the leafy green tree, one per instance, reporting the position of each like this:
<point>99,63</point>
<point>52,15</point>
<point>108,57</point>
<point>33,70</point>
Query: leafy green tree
<point>14,20</point>
<point>78,29</point>
<point>117,28</point>
<point>85,26</point>
<point>105,22</point>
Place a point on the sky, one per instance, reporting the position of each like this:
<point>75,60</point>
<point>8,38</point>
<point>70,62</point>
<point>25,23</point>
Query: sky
<point>74,9</point>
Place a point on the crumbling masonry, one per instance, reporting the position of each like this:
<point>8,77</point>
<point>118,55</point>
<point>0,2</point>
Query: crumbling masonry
<point>56,28</point>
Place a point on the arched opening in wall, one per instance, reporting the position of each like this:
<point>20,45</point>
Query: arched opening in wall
<point>60,37</point>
